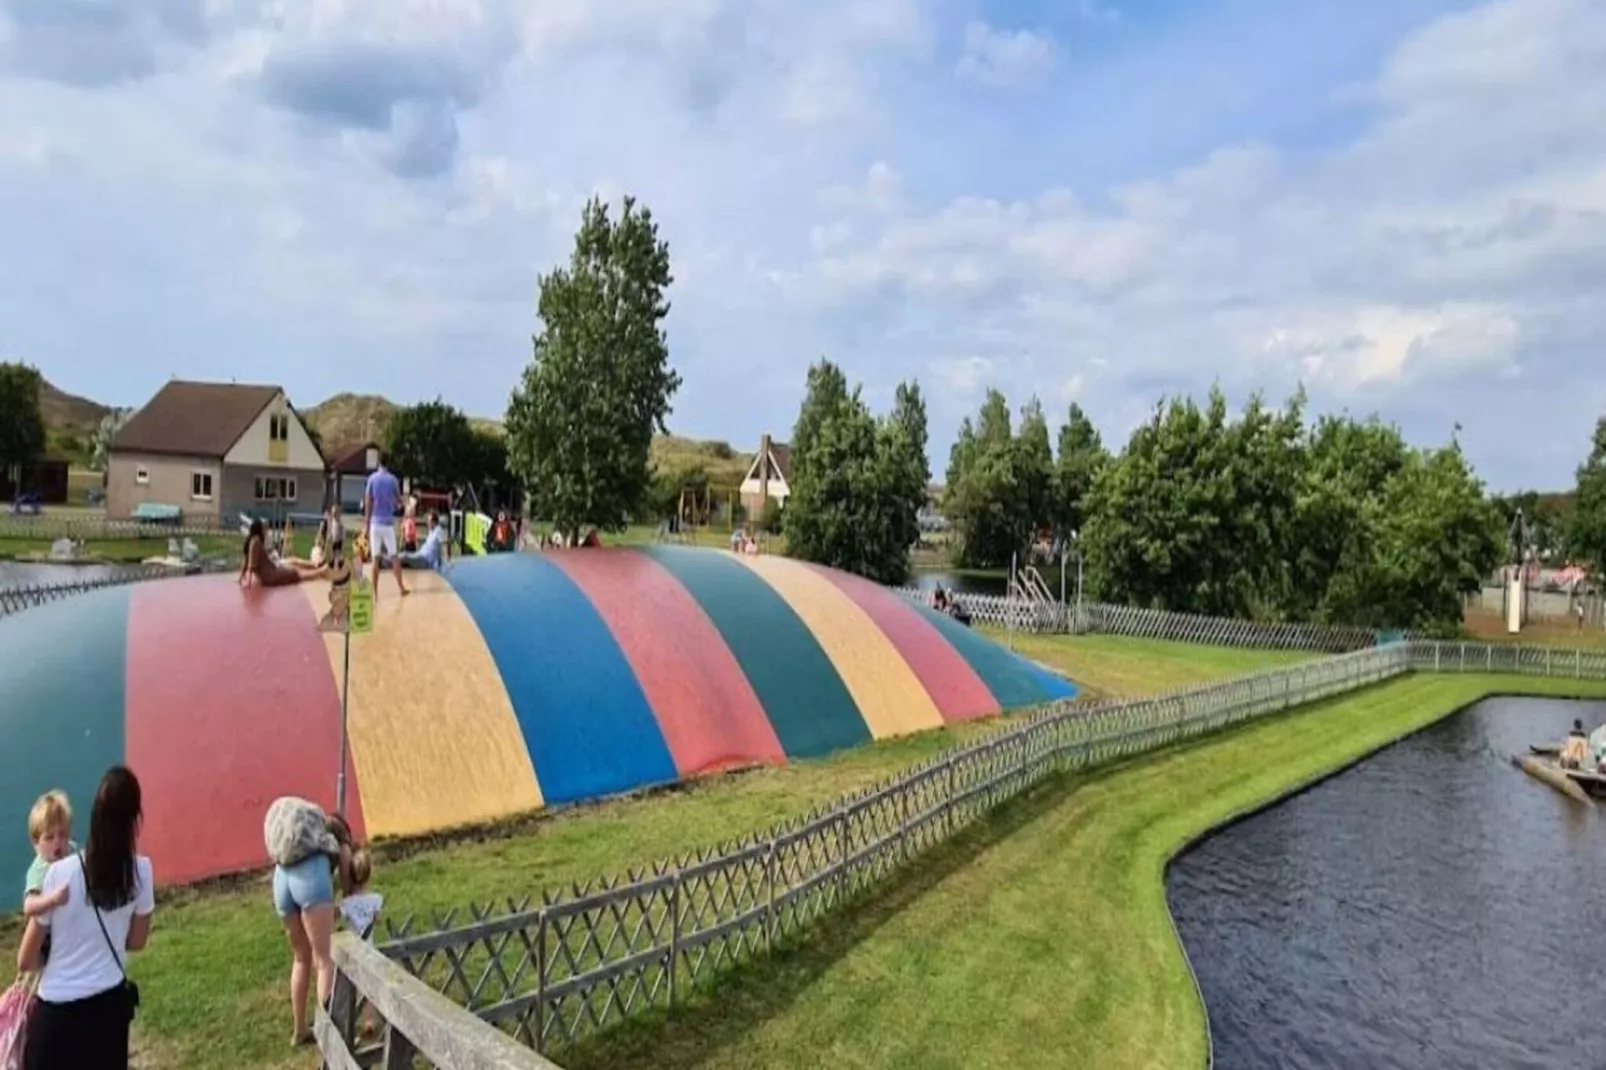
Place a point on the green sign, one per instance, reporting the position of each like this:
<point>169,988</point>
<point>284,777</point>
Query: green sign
<point>362,608</point>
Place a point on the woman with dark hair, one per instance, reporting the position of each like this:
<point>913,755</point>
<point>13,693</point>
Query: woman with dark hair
<point>256,566</point>
<point>86,1003</point>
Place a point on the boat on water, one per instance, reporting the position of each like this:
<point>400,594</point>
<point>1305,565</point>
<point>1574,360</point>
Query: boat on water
<point>1543,763</point>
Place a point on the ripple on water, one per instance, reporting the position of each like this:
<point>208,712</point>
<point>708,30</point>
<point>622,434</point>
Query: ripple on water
<point>1432,907</point>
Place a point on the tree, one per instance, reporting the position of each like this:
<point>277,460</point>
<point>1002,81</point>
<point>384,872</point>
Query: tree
<point>909,471</point>
<point>997,484</point>
<point>1036,464</point>
<point>825,393</point>
<point>581,420</point>
<point>100,446</point>
<point>1586,534</point>
<point>434,444</point>
<point>1081,458</point>
<point>22,425</point>
<point>857,483</point>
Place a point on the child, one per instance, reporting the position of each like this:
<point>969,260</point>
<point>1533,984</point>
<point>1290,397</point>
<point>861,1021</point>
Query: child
<point>50,830</point>
<point>360,907</point>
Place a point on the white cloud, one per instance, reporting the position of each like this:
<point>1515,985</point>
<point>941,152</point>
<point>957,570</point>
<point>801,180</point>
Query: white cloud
<point>1005,57</point>
<point>360,194</point>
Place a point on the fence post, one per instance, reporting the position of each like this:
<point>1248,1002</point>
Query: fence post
<point>1463,657</point>
<point>1436,648</point>
<point>540,980</point>
<point>1488,661</point>
<point>1547,661</point>
<point>842,850</point>
<point>903,823</point>
<point>769,908</point>
<point>674,933</point>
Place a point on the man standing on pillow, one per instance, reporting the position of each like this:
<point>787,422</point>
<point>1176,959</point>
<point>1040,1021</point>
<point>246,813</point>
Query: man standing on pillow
<point>379,508</point>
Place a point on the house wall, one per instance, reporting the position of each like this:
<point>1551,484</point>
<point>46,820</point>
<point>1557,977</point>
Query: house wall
<point>168,483</point>
<point>240,491</point>
<point>256,450</point>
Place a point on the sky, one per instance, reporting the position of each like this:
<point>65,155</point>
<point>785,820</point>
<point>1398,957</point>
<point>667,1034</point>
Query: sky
<point>1400,204</point>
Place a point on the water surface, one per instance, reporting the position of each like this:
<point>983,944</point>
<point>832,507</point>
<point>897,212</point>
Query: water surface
<point>1432,907</point>
<point>32,573</point>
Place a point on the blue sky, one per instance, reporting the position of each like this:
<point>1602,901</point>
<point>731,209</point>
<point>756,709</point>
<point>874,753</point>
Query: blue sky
<point>1401,205</point>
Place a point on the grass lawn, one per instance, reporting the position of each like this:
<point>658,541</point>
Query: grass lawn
<point>1041,938</point>
<point>213,977</point>
<point>121,551</point>
<point>1489,628</point>
<point>1120,667</point>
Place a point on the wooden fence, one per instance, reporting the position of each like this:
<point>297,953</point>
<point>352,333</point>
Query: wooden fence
<point>1024,616</point>
<point>554,969</point>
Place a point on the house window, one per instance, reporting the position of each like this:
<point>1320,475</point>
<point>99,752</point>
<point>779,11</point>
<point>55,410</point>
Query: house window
<point>279,427</point>
<point>142,475</point>
<point>275,489</point>
<point>201,486</point>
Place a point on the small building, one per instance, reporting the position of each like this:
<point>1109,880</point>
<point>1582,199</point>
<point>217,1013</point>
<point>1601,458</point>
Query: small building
<point>349,469</point>
<point>213,451</point>
<point>766,479</point>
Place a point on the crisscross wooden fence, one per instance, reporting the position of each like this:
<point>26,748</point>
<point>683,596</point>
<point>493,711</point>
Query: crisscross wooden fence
<point>555,969</point>
<point>1039,617</point>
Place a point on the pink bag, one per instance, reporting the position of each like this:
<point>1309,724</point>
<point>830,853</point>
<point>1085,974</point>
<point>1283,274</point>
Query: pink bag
<point>16,1008</point>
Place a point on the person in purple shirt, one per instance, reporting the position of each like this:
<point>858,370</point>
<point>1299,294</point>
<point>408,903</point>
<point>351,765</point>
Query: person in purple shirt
<point>379,508</point>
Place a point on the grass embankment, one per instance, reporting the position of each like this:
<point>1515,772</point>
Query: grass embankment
<point>213,977</point>
<point>1042,937</point>
<point>1115,666</point>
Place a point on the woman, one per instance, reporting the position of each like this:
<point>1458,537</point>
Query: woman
<point>311,851</point>
<point>85,1003</point>
<point>256,566</point>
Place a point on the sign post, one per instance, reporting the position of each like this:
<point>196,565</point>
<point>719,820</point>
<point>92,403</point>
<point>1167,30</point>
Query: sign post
<point>359,620</point>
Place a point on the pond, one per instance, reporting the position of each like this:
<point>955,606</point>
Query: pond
<point>34,573</point>
<point>1431,907</point>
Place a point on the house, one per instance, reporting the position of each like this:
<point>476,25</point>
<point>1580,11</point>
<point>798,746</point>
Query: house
<point>213,451</point>
<point>349,468</point>
<point>766,480</point>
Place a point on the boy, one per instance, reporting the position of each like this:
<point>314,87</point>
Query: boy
<point>50,830</point>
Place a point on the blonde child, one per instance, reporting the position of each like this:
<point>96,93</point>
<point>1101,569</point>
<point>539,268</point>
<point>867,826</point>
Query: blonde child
<point>50,831</point>
<point>360,907</point>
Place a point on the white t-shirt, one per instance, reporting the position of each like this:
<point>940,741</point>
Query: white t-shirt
<point>360,911</point>
<point>80,963</point>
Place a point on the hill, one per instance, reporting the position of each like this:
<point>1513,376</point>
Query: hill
<point>70,423</point>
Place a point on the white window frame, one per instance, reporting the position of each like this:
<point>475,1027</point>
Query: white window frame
<point>276,489</point>
<point>203,479</point>
<point>142,476</point>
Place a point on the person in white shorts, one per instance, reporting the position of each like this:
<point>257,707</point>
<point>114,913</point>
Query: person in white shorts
<point>379,507</point>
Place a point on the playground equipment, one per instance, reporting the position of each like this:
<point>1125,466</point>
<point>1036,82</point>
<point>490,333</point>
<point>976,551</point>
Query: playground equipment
<point>510,682</point>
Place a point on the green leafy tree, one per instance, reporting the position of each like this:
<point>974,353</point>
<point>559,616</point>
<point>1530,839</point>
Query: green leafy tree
<point>581,420</point>
<point>825,393</point>
<point>1036,462</point>
<point>961,457</point>
<point>1586,535</point>
<point>22,425</point>
<point>1081,458</point>
<point>857,483</point>
<point>434,444</point>
<point>909,471</point>
<point>997,483</point>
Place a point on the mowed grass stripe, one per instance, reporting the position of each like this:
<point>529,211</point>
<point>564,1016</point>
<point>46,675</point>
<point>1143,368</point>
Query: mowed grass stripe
<point>1042,939</point>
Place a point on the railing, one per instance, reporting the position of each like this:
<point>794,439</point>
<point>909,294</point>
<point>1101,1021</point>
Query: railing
<point>413,1021</point>
<point>1508,659</point>
<point>556,970</point>
<point>1020,615</point>
<point>17,599</point>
